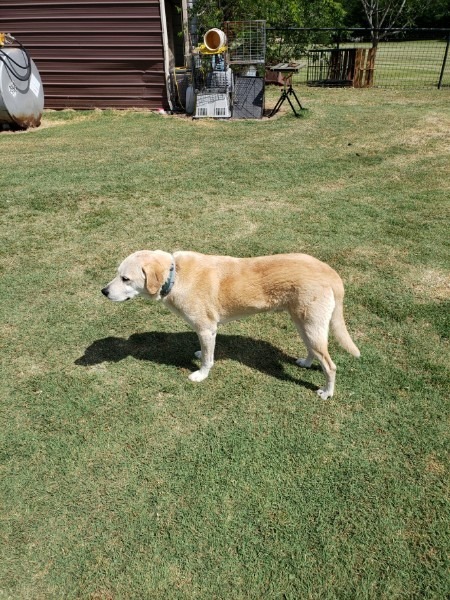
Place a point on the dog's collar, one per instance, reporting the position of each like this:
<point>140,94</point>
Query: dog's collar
<point>168,285</point>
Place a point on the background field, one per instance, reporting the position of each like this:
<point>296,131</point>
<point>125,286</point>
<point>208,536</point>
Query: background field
<point>119,477</point>
<point>403,65</point>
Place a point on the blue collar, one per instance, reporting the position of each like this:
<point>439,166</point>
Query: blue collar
<point>168,285</point>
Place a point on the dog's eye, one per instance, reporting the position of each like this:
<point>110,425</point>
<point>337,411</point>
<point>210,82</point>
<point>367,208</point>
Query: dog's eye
<point>125,279</point>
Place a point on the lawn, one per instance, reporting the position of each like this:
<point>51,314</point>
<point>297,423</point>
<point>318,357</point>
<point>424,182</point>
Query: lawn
<point>120,479</point>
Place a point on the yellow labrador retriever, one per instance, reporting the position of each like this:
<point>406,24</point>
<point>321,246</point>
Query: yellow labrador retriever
<point>209,290</point>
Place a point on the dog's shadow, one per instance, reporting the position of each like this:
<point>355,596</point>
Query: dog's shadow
<point>177,349</point>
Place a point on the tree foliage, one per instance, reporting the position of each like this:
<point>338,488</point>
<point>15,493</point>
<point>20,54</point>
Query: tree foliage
<point>277,13</point>
<point>324,13</point>
<point>415,13</point>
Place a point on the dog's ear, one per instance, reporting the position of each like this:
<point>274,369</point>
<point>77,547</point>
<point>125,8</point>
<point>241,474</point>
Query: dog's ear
<point>154,276</point>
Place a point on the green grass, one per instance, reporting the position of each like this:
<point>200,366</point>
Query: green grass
<point>119,477</point>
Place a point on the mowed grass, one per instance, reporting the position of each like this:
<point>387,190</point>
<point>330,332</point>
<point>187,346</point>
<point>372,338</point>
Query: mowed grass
<point>119,477</point>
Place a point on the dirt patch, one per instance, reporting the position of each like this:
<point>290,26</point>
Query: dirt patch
<point>429,284</point>
<point>434,466</point>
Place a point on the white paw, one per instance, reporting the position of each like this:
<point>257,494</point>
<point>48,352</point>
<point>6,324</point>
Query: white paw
<point>324,394</point>
<point>304,362</point>
<point>198,375</point>
<point>198,354</point>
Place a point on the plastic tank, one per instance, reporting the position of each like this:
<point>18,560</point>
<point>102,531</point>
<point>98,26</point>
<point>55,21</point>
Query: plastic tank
<point>21,90</point>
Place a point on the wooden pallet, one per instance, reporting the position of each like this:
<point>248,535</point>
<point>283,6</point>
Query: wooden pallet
<point>364,67</point>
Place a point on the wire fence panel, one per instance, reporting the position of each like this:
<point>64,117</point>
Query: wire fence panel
<point>403,58</point>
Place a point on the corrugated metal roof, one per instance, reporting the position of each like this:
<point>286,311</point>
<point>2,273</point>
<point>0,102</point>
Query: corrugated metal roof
<point>93,53</point>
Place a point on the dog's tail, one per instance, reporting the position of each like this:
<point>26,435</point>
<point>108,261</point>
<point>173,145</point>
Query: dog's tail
<point>338,325</point>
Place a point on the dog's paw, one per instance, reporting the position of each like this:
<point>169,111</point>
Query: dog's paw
<point>324,394</point>
<point>304,362</point>
<point>198,354</point>
<point>198,376</point>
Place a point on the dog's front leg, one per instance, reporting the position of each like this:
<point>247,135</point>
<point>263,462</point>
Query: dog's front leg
<point>207,337</point>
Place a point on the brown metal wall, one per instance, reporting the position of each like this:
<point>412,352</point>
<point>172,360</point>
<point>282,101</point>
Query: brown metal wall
<point>92,53</point>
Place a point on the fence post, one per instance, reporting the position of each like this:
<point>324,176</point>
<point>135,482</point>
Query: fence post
<point>444,62</point>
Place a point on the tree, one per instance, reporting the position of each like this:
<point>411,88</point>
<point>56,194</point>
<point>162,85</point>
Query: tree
<point>284,43</point>
<point>416,13</point>
<point>392,14</point>
<point>433,13</point>
<point>277,13</point>
<point>382,14</point>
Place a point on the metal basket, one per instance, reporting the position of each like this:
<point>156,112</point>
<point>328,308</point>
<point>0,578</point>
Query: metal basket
<point>246,42</point>
<point>210,73</point>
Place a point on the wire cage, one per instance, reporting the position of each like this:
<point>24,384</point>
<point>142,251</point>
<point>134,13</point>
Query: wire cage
<point>246,42</point>
<point>331,67</point>
<point>213,83</point>
<point>248,97</point>
<point>341,67</point>
<point>211,73</point>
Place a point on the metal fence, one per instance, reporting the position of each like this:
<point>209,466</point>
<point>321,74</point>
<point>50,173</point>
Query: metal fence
<point>402,58</point>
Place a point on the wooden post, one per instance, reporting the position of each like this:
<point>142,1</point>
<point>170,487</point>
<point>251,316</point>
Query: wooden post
<point>359,65</point>
<point>370,67</point>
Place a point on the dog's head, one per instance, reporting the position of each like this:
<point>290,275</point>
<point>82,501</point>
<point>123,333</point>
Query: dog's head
<point>140,274</point>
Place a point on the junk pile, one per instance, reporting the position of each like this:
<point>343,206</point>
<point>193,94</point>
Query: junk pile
<point>227,72</point>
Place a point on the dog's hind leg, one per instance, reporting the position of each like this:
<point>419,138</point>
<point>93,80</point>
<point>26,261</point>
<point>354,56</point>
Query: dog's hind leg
<point>303,362</point>
<point>313,329</point>
<point>207,338</point>
<point>329,368</point>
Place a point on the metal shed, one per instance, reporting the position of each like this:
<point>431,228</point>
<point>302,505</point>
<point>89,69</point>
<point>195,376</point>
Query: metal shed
<point>100,53</point>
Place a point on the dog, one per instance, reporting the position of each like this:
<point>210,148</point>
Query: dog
<point>208,291</point>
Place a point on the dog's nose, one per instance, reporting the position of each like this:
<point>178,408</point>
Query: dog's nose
<point>105,292</point>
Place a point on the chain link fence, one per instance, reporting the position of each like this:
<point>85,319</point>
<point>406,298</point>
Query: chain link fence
<point>395,58</point>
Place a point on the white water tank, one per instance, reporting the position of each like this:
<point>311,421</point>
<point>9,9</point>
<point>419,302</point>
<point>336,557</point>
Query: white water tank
<point>21,90</point>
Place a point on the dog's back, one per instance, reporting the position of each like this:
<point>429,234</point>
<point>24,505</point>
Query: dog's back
<point>243,286</point>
